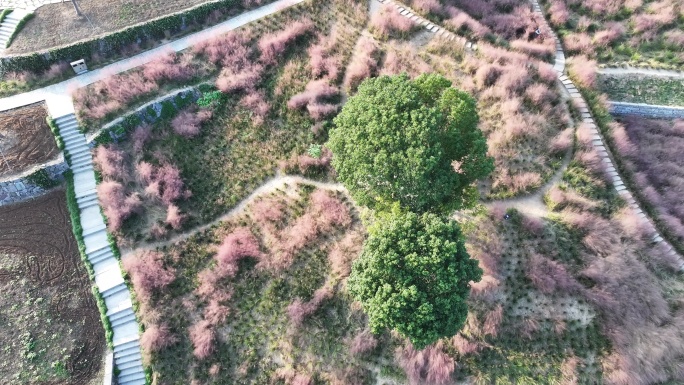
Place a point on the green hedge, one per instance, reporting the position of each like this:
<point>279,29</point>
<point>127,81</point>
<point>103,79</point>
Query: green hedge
<point>42,179</point>
<point>109,44</point>
<point>18,28</point>
<point>4,14</point>
<point>75,214</point>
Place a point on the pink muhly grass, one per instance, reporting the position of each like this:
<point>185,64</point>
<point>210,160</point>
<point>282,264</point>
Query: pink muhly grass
<point>559,13</point>
<point>426,7</point>
<point>240,243</point>
<point>229,50</point>
<point>462,20</point>
<point>331,211</point>
<point>463,345</point>
<point>577,43</point>
<point>493,321</point>
<point>344,252</point>
<point>487,75</point>
<point>174,217</point>
<point>154,339</point>
<point>549,276</point>
<point>148,273</point>
<point>584,70</point>
<point>316,90</point>
<point>675,38</point>
<point>111,161</point>
<point>140,136</point>
<point>56,70</point>
<point>514,79</point>
<point>540,94</point>
<point>363,64</point>
<point>202,335</point>
<point>210,288</point>
<point>256,102</point>
<point>168,67</point>
<point>363,343</point>
<point>272,46</point>
<point>188,123</point>
<point>388,21</point>
<point>298,310</point>
<point>171,184</point>
<point>116,204</point>
<point>621,139</point>
<point>267,211</point>
<point>306,162</point>
<point>532,48</point>
<point>546,73</point>
<point>320,111</point>
<point>215,313</point>
<point>428,366</point>
<point>607,36</point>
<point>246,78</point>
<point>145,172</point>
<point>561,142</point>
<point>215,369</point>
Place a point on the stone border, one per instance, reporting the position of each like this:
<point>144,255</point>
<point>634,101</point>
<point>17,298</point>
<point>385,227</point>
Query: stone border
<point>646,110</point>
<point>19,188</point>
<point>606,156</point>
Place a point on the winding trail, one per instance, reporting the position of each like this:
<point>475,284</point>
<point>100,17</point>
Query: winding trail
<point>279,181</point>
<point>641,71</point>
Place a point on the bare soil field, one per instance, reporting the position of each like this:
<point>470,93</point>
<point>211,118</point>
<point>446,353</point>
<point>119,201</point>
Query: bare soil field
<point>58,24</point>
<point>25,139</point>
<point>50,329</point>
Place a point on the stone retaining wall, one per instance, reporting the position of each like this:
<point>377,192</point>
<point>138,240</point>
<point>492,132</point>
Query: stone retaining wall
<point>21,188</point>
<point>646,110</point>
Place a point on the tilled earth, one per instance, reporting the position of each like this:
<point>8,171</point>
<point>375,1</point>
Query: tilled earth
<point>25,139</point>
<point>50,331</point>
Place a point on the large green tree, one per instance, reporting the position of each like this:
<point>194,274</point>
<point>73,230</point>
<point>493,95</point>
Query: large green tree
<point>413,276</point>
<point>415,142</point>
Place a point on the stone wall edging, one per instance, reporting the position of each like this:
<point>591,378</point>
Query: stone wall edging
<point>646,110</point>
<point>20,188</point>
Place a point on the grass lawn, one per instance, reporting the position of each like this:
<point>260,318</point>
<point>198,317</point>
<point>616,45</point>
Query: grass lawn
<point>642,89</point>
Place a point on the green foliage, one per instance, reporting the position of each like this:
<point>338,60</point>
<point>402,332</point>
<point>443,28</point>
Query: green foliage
<point>210,98</point>
<point>77,228</point>
<point>42,179</point>
<point>4,13</point>
<point>315,150</point>
<point>400,140</point>
<point>413,276</point>
<point>18,28</point>
<point>55,131</point>
<point>113,43</point>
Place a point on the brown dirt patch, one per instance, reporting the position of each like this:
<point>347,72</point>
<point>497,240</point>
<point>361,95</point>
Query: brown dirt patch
<point>50,330</point>
<point>57,24</point>
<point>25,139</point>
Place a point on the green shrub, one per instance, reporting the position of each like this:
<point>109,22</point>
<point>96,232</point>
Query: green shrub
<point>18,28</point>
<point>42,179</point>
<point>4,14</point>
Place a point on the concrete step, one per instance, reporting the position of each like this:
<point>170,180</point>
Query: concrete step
<point>66,118</point>
<point>95,229</point>
<point>129,375</point>
<point>120,346</point>
<point>124,320</point>
<point>99,253</point>
<point>133,356</point>
<point>134,382</point>
<point>82,168</point>
<point>82,161</point>
<point>80,157</point>
<point>129,364</point>
<point>121,314</point>
<point>114,290</point>
<point>104,258</point>
<point>71,136</point>
<point>88,195</point>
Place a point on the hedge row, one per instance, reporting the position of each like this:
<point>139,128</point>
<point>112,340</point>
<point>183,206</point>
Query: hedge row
<point>4,14</point>
<point>107,45</point>
<point>18,28</point>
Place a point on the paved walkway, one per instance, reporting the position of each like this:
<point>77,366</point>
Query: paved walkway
<point>641,71</point>
<point>63,88</point>
<point>29,5</point>
<point>607,158</point>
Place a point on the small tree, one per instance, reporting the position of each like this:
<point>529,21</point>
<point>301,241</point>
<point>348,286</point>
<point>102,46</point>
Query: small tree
<point>414,276</point>
<point>415,142</point>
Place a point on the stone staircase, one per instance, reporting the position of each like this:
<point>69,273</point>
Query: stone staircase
<point>603,150</point>
<point>108,276</point>
<point>8,26</point>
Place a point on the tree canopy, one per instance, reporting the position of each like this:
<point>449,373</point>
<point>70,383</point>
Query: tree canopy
<point>413,276</point>
<point>415,142</point>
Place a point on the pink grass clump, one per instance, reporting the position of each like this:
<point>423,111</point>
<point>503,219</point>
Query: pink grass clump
<point>267,211</point>
<point>111,161</point>
<point>169,184</point>
<point>493,321</point>
<point>117,205</point>
<point>428,366</point>
<point>306,162</point>
<point>239,79</point>
<point>549,276</point>
<point>344,252</point>
<point>188,123</point>
<point>272,46</point>
<point>240,243</point>
<point>559,13</point>
<point>298,310</point>
<point>170,66</point>
<point>315,91</point>
<point>174,217</point>
<point>364,63</point>
<point>584,70</point>
<point>388,22</point>
<point>154,339</point>
<point>363,343</point>
<point>230,50</point>
<point>148,273</point>
<point>203,336</point>
<point>256,102</point>
<point>140,136</point>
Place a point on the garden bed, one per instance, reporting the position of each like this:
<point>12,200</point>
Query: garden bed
<point>49,323</point>
<point>25,139</point>
<point>642,89</point>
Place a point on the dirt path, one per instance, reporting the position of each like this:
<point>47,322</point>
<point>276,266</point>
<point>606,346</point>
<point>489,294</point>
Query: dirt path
<point>271,185</point>
<point>641,71</point>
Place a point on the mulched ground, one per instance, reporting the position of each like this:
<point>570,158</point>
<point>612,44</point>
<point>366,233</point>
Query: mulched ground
<point>25,139</point>
<point>50,330</point>
<point>57,24</point>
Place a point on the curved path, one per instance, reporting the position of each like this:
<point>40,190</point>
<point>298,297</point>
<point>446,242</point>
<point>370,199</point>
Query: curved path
<point>604,152</point>
<point>271,185</point>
